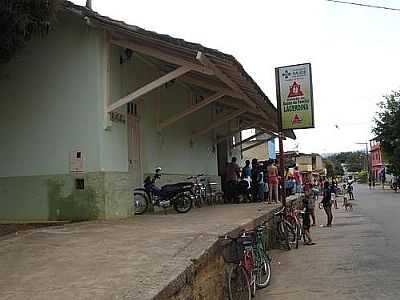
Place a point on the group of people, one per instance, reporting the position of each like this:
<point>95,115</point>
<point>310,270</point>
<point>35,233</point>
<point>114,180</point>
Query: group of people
<point>255,181</point>
<point>329,192</point>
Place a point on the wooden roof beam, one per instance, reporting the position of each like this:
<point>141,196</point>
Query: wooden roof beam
<point>223,77</point>
<point>249,138</point>
<point>148,88</point>
<point>219,122</point>
<point>156,53</point>
<point>254,145</point>
<point>214,97</point>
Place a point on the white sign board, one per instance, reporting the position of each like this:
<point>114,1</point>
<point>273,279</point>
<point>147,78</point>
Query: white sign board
<point>295,96</point>
<point>76,162</point>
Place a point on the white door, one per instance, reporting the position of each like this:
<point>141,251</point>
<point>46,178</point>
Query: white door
<point>134,158</point>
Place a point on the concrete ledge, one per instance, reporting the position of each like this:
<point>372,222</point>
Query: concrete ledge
<point>190,283</point>
<point>173,256</point>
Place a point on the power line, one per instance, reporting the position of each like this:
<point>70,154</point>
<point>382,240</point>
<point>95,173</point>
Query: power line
<point>365,5</point>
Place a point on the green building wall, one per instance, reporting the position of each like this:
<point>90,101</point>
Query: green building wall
<point>52,97</point>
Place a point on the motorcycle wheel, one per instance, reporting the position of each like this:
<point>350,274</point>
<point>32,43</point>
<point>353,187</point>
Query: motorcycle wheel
<point>183,203</point>
<point>140,203</point>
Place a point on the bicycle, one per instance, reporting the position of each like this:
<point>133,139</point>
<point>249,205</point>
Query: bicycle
<point>241,275</point>
<point>287,232</point>
<point>262,266</point>
<point>292,216</point>
<point>199,189</point>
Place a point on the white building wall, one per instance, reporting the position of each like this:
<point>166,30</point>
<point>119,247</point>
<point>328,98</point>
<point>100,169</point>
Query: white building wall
<point>171,148</point>
<point>49,96</point>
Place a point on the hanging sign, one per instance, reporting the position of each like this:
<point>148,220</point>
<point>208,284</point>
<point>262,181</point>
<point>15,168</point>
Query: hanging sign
<point>295,96</point>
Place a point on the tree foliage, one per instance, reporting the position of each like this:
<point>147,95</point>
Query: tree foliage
<point>363,176</point>
<point>354,162</point>
<point>338,170</point>
<point>330,168</point>
<point>387,130</point>
<point>21,20</point>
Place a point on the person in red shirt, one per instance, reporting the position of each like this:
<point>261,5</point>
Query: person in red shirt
<point>273,182</point>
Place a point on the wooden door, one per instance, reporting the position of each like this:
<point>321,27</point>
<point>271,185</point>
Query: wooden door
<point>134,157</point>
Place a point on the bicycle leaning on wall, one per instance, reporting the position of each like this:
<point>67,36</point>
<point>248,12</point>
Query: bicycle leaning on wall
<point>249,261</point>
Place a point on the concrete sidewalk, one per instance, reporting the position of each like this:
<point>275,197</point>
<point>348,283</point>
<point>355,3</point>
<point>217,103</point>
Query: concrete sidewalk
<point>126,259</point>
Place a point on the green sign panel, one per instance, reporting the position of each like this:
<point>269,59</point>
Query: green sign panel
<point>295,96</point>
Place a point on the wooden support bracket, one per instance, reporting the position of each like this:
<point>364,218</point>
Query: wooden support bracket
<point>149,87</point>
<point>192,109</point>
<point>219,122</point>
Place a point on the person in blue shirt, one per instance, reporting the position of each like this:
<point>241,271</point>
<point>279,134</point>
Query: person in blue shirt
<point>246,171</point>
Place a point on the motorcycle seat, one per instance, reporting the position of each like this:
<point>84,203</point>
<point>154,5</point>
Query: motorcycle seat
<point>177,186</point>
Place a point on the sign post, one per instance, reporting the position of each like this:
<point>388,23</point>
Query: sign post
<point>295,106</point>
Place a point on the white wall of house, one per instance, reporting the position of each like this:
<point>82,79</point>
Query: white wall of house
<point>52,98</point>
<point>49,102</point>
<point>171,148</point>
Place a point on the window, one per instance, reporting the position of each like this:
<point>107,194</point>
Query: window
<point>79,184</point>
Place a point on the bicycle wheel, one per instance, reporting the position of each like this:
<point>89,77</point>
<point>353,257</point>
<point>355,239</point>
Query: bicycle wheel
<point>197,197</point>
<point>140,203</point>
<point>284,235</point>
<point>238,284</point>
<point>263,273</point>
<point>291,229</point>
<point>183,203</point>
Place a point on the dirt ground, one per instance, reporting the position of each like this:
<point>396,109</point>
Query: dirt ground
<point>6,229</point>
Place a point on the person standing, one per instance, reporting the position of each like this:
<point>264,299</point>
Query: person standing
<point>246,171</point>
<point>246,176</point>
<point>314,192</point>
<point>333,194</point>
<point>273,182</point>
<point>298,178</point>
<point>327,203</point>
<point>232,174</point>
<point>256,177</point>
<point>383,177</point>
<point>307,203</point>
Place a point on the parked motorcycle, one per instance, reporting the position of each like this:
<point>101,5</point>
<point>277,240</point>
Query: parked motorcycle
<point>395,183</point>
<point>178,195</point>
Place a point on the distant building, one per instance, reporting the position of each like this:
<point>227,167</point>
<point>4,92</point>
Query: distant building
<point>375,158</point>
<point>307,162</point>
<point>260,148</point>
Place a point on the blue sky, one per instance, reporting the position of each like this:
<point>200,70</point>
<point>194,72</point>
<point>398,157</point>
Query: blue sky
<point>354,52</point>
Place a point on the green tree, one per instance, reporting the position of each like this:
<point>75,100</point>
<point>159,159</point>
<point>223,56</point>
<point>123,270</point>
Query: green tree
<point>330,168</point>
<point>363,176</point>
<point>354,161</point>
<point>21,20</point>
<point>387,130</point>
<point>339,170</point>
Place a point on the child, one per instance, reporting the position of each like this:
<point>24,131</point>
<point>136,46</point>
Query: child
<point>327,203</point>
<point>306,216</point>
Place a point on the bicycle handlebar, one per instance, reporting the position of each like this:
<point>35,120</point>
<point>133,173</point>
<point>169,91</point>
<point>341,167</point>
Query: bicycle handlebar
<point>280,212</point>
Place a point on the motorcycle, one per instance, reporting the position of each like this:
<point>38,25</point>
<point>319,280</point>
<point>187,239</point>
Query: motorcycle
<point>178,195</point>
<point>395,183</point>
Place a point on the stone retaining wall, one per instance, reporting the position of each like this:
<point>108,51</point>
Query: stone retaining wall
<point>205,278</point>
